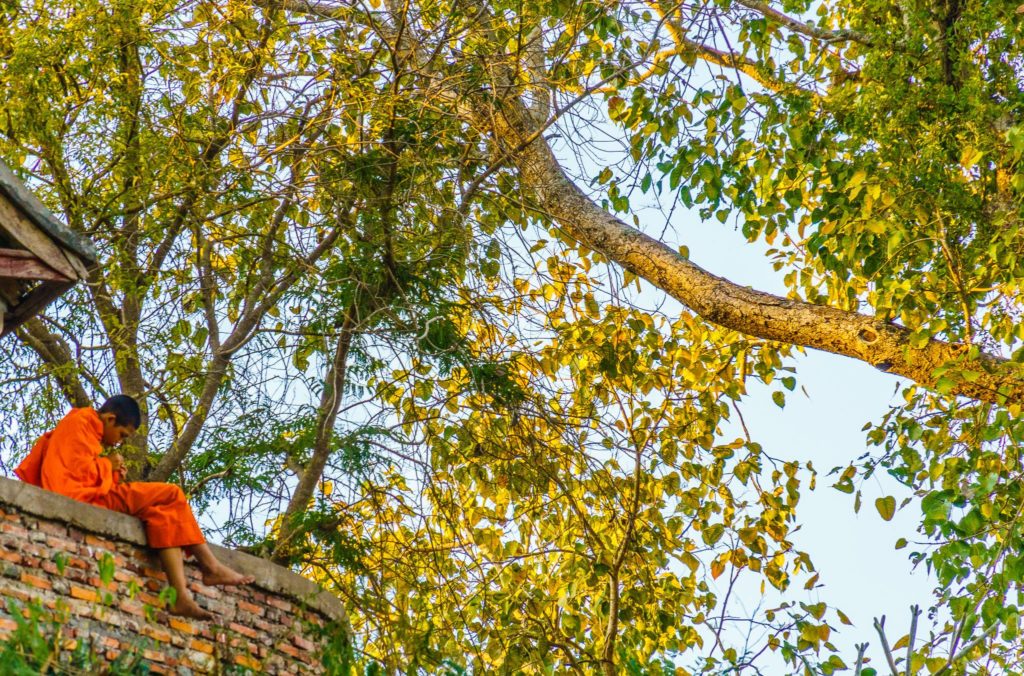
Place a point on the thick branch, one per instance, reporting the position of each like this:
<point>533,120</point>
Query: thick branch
<point>715,299</point>
<point>56,354</point>
<point>748,311</point>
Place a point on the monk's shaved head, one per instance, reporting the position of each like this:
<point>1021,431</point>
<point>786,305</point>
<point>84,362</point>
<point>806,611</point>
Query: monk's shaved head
<point>125,409</point>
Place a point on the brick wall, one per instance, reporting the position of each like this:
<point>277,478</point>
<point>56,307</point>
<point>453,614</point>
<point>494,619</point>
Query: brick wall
<point>91,565</point>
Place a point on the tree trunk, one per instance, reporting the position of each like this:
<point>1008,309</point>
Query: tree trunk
<point>327,414</point>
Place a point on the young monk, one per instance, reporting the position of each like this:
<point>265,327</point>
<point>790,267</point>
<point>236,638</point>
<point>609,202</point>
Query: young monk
<point>67,460</point>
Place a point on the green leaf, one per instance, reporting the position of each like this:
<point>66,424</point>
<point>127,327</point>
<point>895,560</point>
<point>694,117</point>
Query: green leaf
<point>886,507</point>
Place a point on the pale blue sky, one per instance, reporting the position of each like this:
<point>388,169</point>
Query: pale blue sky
<point>861,571</point>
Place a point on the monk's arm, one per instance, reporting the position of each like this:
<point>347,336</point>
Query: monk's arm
<point>73,459</point>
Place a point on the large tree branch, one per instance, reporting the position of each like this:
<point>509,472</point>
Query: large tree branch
<point>755,313</point>
<point>717,300</point>
<point>57,356</point>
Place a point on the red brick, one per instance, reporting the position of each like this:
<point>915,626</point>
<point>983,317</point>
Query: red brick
<point>252,608</point>
<point>13,529</point>
<point>289,650</point>
<point>159,635</point>
<point>37,582</point>
<point>109,642</point>
<point>84,594</point>
<point>34,550</point>
<point>242,629</point>
<point>237,642</point>
<point>279,603</point>
<point>132,607</point>
<point>13,557</point>
<point>201,646</point>
<point>53,528</point>
<point>182,625</point>
<point>7,625</point>
<point>78,562</point>
<point>18,594</point>
<point>246,661</point>
<point>150,600</point>
<point>100,584</point>
<point>154,656</point>
<point>102,543</point>
<point>303,643</point>
<point>154,572</point>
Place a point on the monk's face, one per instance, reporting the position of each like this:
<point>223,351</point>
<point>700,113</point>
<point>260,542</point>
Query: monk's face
<point>114,434</point>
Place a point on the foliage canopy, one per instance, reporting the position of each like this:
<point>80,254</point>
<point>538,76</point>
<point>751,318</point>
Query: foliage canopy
<point>364,263</point>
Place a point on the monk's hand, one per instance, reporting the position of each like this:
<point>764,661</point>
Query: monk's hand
<point>116,462</point>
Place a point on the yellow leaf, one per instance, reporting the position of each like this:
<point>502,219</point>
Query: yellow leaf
<point>902,643</point>
<point>970,157</point>
<point>717,568</point>
<point>886,507</point>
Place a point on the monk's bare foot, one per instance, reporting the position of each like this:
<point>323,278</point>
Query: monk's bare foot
<point>222,576</point>
<point>189,608</point>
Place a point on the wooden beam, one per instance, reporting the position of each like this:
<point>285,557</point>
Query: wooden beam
<point>28,235</point>
<point>22,264</point>
<point>33,303</point>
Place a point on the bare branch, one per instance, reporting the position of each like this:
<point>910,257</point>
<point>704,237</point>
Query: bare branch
<point>811,31</point>
<point>880,628</point>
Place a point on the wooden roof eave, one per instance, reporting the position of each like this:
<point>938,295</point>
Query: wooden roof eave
<point>50,254</point>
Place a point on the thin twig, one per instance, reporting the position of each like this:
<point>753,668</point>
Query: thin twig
<point>861,649</point>
<point>880,628</point>
<point>210,477</point>
<point>967,648</point>
<point>915,611</point>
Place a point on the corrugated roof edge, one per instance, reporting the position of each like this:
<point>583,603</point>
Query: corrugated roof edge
<point>15,190</point>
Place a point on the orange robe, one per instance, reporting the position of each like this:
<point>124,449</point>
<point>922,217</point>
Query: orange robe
<point>67,460</point>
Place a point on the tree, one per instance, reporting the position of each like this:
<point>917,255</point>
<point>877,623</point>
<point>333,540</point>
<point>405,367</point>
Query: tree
<point>392,185</point>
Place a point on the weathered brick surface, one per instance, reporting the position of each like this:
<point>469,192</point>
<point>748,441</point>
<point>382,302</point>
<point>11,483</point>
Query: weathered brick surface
<point>56,562</point>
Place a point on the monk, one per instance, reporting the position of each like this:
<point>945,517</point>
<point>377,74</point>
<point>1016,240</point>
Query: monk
<point>68,460</point>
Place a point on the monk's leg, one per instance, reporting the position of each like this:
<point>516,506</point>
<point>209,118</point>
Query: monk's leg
<point>174,566</point>
<point>215,572</point>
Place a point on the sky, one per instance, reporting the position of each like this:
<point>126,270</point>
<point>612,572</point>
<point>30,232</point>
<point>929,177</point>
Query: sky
<point>854,553</point>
